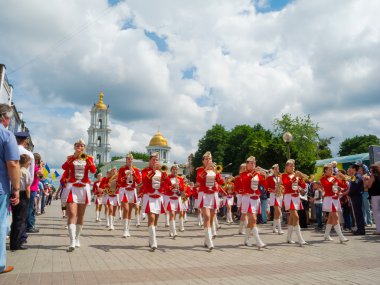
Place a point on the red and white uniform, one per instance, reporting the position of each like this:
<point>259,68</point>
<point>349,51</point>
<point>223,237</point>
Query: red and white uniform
<point>110,200</point>
<point>172,198</point>
<point>196,196</point>
<point>331,202</point>
<point>292,185</point>
<point>185,203</point>
<point>97,193</point>
<point>154,186</point>
<point>78,185</point>
<point>250,182</point>
<point>228,199</point>
<point>127,184</point>
<point>273,182</point>
<point>238,190</point>
<point>208,182</point>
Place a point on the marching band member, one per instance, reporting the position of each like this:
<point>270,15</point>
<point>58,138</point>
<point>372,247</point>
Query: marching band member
<point>228,199</point>
<point>62,192</point>
<point>98,196</point>
<point>239,191</point>
<point>331,202</point>
<point>276,197</point>
<point>185,195</point>
<point>251,205</point>
<point>154,182</point>
<point>138,213</point>
<point>173,204</point>
<point>208,181</point>
<point>110,198</point>
<point>292,181</point>
<point>128,179</point>
<point>78,165</point>
<point>197,202</point>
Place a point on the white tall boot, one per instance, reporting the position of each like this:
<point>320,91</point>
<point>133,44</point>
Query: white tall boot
<point>120,214</point>
<point>166,220</point>
<point>111,218</point>
<point>77,234</point>
<point>173,229</point>
<point>327,232</point>
<point>150,236</point>
<point>208,241</point>
<point>301,241</point>
<point>290,232</point>
<point>107,221</point>
<point>217,223</point>
<point>72,229</point>
<point>181,225</point>
<point>137,220</point>
<point>185,217</point>
<point>259,242</point>
<point>143,215</point>
<point>213,230</point>
<point>97,216</point>
<point>246,238</point>
<point>280,231</point>
<point>126,228</point>
<point>154,240</point>
<point>274,228</point>
<point>338,230</point>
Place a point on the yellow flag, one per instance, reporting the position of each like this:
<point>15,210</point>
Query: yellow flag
<point>46,173</point>
<point>53,176</point>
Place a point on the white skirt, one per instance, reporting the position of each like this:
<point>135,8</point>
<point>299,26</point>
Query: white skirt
<point>292,202</point>
<point>184,205</point>
<point>173,204</point>
<point>228,200</point>
<point>275,201</point>
<point>64,194</point>
<point>331,205</point>
<point>98,200</point>
<point>110,201</point>
<point>153,205</point>
<point>197,202</point>
<point>210,201</point>
<point>238,202</point>
<point>78,195</point>
<point>126,196</point>
<point>250,205</point>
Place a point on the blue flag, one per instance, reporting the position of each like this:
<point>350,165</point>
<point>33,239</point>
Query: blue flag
<point>47,167</point>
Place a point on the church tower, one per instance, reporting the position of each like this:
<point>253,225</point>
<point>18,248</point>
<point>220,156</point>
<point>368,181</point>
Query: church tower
<point>159,143</point>
<point>98,133</point>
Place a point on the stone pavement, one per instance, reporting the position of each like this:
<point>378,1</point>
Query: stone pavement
<point>107,258</point>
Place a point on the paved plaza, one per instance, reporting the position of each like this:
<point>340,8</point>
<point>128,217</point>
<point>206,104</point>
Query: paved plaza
<point>107,258</point>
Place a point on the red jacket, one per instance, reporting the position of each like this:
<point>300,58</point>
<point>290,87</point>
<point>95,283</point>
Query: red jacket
<point>238,187</point>
<point>271,183</point>
<point>329,182</point>
<point>95,187</point>
<point>122,177</point>
<point>69,166</point>
<point>147,175</point>
<point>246,178</point>
<point>169,191</point>
<point>288,181</point>
<point>201,179</point>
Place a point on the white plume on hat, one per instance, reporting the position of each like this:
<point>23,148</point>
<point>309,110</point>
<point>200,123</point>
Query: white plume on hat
<point>80,141</point>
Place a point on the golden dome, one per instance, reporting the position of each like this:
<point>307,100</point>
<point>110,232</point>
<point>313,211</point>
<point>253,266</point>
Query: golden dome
<point>158,140</point>
<point>100,104</point>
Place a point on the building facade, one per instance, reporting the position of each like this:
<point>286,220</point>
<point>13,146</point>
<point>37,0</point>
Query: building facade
<point>98,133</point>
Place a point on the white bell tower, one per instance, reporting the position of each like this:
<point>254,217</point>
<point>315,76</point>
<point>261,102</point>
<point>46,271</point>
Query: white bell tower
<point>98,133</point>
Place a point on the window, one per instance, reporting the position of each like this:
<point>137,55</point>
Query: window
<point>98,158</point>
<point>99,141</point>
<point>100,123</point>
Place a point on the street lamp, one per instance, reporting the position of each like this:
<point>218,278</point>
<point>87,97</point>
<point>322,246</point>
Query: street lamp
<point>287,137</point>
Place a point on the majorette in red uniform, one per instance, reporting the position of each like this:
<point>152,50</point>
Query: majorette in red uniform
<point>185,203</point>
<point>292,182</point>
<point>275,197</point>
<point>228,198</point>
<point>239,194</point>
<point>98,196</point>
<point>208,181</point>
<point>197,201</point>
<point>78,166</point>
<point>110,198</point>
<point>154,182</point>
<point>251,205</point>
<point>128,179</point>
<point>173,198</point>
<point>331,203</point>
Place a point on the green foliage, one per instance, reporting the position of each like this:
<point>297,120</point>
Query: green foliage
<point>98,167</point>
<point>140,155</point>
<point>357,144</point>
<point>116,158</point>
<point>323,148</point>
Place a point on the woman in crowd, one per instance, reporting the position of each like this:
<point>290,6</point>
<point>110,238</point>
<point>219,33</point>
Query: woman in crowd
<point>128,179</point>
<point>154,182</point>
<point>292,181</point>
<point>239,191</point>
<point>251,205</point>
<point>331,202</point>
<point>208,180</point>
<point>275,197</point>
<point>78,167</point>
<point>98,196</point>
<point>110,198</point>
<point>374,194</point>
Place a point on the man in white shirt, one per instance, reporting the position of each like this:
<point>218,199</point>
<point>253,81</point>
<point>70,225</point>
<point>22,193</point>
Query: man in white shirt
<point>22,141</point>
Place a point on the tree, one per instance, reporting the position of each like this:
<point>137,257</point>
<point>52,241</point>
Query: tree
<point>323,148</point>
<point>357,144</point>
<point>116,158</point>
<point>303,148</point>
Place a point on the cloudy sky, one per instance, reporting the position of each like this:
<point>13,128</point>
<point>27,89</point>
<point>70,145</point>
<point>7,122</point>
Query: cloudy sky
<point>182,66</point>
